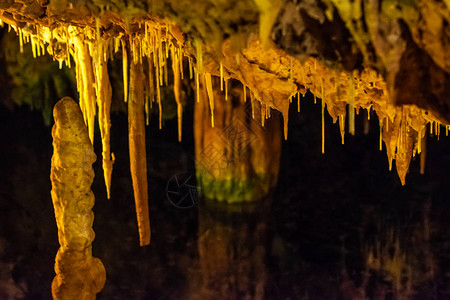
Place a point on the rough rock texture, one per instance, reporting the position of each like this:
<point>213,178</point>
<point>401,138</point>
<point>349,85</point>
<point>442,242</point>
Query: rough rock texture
<point>78,274</point>
<point>390,36</point>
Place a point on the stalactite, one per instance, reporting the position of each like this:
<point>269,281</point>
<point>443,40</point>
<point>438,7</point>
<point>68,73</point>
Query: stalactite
<point>198,47</point>
<point>381,136</point>
<point>158,93</point>
<point>323,120</point>
<point>151,84</point>
<point>176,90</point>
<point>197,87</point>
<point>125,70</point>
<point>423,154</point>
<point>138,156</point>
<point>405,145</point>
<point>85,87</point>
<point>342,127</point>
<point>285,122</point>
<point>38,41</point>
<point>226,90</point>
<point>33,47</point>
<point>221,76</point>
<point>366,90</point>
<point>252,102</point>
<point>104,95</point>
<point>351,106</point>
<point>209,90</point>
<point>263,114</point>
<point>180,60</point>
<point>166,80</point>
<point>20,40</point>
<point>160,59</point>
<point>190,69</point>
<point>67,43</point>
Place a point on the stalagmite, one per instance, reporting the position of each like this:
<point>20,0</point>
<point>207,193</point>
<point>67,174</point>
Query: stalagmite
<point>78,274</point>
<point>138,156</point>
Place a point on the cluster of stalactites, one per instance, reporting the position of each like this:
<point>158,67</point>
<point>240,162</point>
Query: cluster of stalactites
<point>154,46</point>
<point>402,128</point>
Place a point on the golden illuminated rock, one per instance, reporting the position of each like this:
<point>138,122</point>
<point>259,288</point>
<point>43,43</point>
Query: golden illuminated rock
<point>138,155</point>
<point>104,95</point>
<point>78,274</point>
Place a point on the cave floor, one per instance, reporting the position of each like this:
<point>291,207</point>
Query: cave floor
<point>338,226</point>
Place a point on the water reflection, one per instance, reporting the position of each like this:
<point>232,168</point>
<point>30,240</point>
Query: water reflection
<point>232,250</point>
<point>241,255</point>
<point>399,261</point>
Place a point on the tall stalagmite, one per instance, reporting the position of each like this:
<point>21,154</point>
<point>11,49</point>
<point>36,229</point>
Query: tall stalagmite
<point>79,275</point>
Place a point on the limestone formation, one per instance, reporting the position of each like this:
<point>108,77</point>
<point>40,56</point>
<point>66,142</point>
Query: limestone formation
<point>79,275</point>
